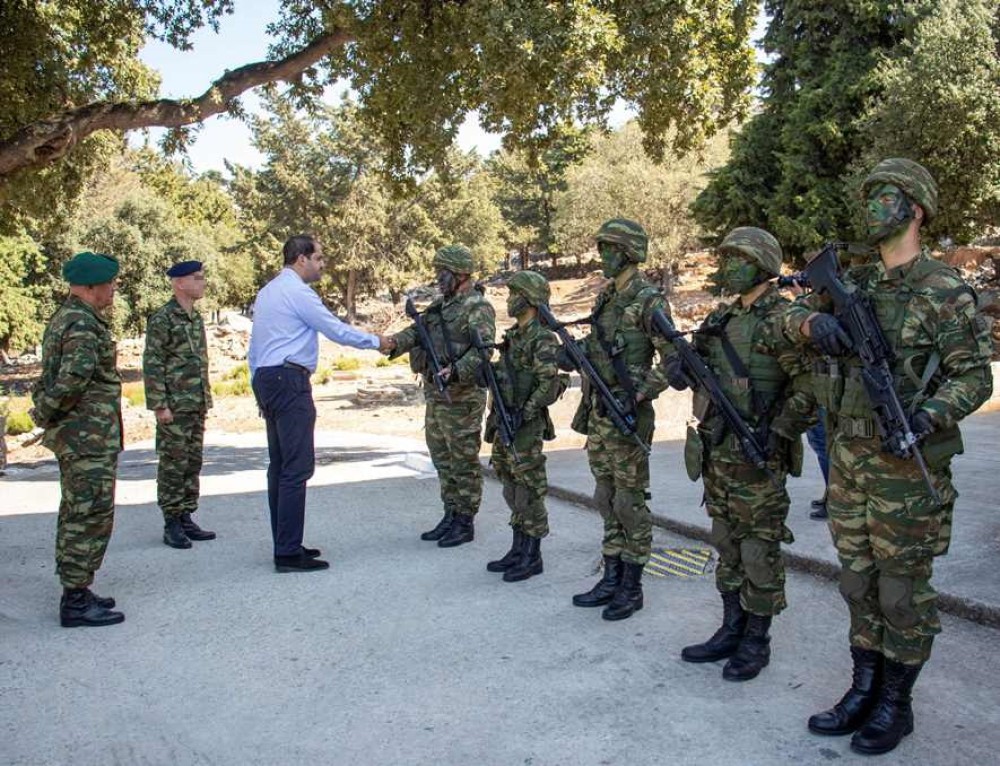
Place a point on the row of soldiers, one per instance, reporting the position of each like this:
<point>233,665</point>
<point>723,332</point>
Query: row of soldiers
<point>774,361</point>
<point>778,363</point>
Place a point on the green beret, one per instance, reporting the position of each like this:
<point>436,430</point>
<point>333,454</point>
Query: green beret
<point>88,268</point>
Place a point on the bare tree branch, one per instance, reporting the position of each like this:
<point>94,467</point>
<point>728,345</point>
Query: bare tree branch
<point>46,140</point>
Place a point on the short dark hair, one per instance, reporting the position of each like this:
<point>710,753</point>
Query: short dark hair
<point>301,244</point>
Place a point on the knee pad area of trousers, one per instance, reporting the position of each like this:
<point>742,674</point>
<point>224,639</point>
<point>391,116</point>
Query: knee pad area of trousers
<point>895,597</point>
<point>758,557</point>
<point>604,495</point>
<point>854,587</point>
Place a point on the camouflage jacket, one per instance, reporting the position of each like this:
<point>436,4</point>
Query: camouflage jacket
<point>449,322</point>
<point>928,315</point>
<point>623,319</point>
<point>77,400</point>
<point>175,361</point>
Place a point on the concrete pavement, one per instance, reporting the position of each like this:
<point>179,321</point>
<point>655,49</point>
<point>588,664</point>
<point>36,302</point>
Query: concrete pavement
<point>403,653</point>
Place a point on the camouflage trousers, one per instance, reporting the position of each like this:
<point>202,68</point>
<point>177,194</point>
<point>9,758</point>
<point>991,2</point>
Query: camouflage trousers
<point>179,446</point>
<point>453,439</point>
<point>524,481</point>
<point>86,516</point>
<point>748,527</point>
<point>887,532</point>
<point>621,474</point>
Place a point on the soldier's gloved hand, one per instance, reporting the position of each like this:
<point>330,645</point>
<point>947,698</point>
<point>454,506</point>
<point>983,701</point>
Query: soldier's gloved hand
<point>922,424</point>
<point>829,335</point>
<point>677,376</point>
<point>563,360</point>
<point>516,420</point>
<point>481,375</point>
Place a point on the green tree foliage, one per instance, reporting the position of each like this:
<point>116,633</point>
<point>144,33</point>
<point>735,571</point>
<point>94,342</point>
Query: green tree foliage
<point>22,269</point>
<point>941,106</point>
<point>788,166</point>
<point>322,175</point>
<point>617,181</point>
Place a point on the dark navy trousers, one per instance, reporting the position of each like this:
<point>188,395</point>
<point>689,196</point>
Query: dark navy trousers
<point>284,396</point>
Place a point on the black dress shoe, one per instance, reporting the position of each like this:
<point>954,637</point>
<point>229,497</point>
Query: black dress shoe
<point>193,531</point>
<point>299,563</point>
<point>311,553</point>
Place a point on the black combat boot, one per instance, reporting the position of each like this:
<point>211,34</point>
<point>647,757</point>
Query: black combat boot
<point>102,601</point>
<point>753,653</point>
<point>529,563</point>
<point>460,532</point>
<point>892,716</point>
<point>441,529</point>
<point>724,641</point>
<point>77,608</point>
<point>855,706</point>
<point>628,597</point>
<point>604,591</point>
<point>193,531</point>
<point>510,557</point>
<point>173,534</point>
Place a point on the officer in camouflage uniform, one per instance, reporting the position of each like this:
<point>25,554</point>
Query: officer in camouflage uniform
<point>742,343</point>
<point>175,374</point>
<point>885,525</point>
<point>453,429</point>
<point>78,402</point>
<point>529,381</point>
<point>620,346</point>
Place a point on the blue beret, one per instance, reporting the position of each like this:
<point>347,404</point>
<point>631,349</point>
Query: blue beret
<point>88,268</point>
<point>184,268</point>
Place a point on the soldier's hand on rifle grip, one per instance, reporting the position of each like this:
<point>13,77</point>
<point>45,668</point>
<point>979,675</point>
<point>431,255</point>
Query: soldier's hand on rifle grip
<point>922,424</point>
<point>481,380</point>
<point>829,335</point>
<point>677,376</point>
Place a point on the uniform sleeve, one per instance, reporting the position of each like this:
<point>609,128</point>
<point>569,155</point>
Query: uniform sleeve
<point>154,362</point>
<point>962,339</point>
<point>405,341</point>
<point>655,381</point>
<point>483,318</point>
<point>797,312</point>
<point>77,364</point>
<point>546,374</point>
<point>798,411</point>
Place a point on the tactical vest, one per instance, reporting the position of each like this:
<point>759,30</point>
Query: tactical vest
<point>448,325</point>
<point>619,317</point>
<point>915,368</point>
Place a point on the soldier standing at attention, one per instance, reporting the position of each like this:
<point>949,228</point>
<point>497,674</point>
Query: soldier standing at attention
<point>529,381</point>
<point>884,521</point>
<point>453,427</point>
<point>620,346</point>
<point>78,403</point>
<point>175,375</point>
<point>743,345</point>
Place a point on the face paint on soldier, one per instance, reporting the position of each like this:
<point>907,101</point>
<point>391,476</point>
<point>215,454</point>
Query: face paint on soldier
<point>888,212</point>
<point>516,305</point>
<point>734,276</point>
<point>447,282</point>
<point>613,258</point>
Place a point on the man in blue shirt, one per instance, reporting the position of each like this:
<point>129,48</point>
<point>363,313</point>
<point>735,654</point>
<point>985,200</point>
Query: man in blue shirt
<point>284,349</point>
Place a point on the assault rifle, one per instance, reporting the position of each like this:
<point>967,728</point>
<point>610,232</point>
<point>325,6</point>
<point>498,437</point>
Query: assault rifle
<point>428,346</point>
<point>507,424</point>
<point>754,452</point>
<point>853,307</point>
<point>623,417</point>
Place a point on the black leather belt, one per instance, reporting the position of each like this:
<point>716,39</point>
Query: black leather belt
<point>295,366</point>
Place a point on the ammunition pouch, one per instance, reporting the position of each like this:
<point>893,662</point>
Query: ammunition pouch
<point>694,453</point>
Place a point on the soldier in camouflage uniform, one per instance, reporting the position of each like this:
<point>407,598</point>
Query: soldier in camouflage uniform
<point>175,374</point>
<point>78,403</point>
<point>885,525</point>
<point>529,382</point>
<point>620,346</point>
<point>742,343</point>
<point>453,428</point>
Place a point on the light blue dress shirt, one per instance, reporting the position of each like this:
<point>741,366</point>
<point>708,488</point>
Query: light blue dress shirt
<point>287,316</point>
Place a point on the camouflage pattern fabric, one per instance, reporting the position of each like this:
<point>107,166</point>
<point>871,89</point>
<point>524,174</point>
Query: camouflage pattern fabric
<point>175,361</point>
<point>449,322</point>
<point>529,353</point>
<point>78,402</point>
<point>455,258</point>
<point>179,446</point>
<point>453,438</point>
<point>883,523</point>
<point>86,516</point>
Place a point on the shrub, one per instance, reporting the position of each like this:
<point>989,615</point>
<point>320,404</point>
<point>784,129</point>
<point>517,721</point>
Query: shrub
<point>135,394</point>
<point>19,423</point>
<point>347,363</point>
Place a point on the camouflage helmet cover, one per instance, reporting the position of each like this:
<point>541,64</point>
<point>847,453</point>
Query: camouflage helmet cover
<point>456,258</point>
<point>912,177</point>
<point>532,285</point>
<point>630,235</point>
<point>756,244</point>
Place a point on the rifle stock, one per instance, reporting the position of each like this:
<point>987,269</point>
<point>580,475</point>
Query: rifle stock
<point>506,426</point>
<point>424,336</point>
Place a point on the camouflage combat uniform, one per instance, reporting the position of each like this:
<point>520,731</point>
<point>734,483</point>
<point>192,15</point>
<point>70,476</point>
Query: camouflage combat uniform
<point>884,523</point>
<point>175,375</point>
<point>453,429</point>
<point>78,403</point>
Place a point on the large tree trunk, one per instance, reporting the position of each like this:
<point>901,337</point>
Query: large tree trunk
<point>46,140</point>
